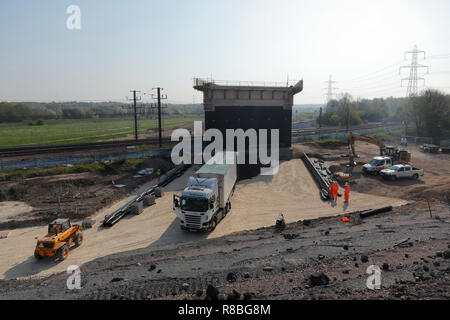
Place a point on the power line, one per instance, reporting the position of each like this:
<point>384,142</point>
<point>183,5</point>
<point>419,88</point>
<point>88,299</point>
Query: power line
<point>369,75</point>
<point>440,56</point>
<point>374,78</point>
<point>439,72</point>
<point>413,79</point>
<point>372,84</point>
<point>376,86</point>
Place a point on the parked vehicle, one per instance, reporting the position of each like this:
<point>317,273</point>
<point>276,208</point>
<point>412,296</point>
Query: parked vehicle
<point>146,172</point>
<point>377,164</point>
<point>206,199</point>
<point>429,148</point>
<point>401,171</point>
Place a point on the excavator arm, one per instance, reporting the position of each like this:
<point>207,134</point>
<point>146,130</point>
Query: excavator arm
<point>352,138</point>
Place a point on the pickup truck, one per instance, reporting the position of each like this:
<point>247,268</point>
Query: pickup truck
<point>401,171</point>
<point>377,164</point>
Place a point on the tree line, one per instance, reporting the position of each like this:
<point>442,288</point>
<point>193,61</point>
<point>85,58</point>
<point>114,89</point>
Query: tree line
<point>428,113</point>
<point>27,111</point>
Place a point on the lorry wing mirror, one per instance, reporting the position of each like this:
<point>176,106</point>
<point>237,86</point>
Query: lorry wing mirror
<point>176,201</point>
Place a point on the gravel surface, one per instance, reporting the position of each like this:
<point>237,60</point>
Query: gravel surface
<point>273,264</point>
<point>256,203</point>
<point>148,257</point>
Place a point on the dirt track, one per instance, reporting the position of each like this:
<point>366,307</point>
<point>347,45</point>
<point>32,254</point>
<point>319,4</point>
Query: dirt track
<point>256,204</point>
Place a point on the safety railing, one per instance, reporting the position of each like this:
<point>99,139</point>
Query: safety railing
<point>202,82</point>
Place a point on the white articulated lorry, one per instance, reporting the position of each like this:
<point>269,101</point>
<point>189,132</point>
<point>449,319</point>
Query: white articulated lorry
<point>206,199</point>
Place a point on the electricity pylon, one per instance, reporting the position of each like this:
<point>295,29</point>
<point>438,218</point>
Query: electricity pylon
<point>329,95</point>
<point>413,79</point>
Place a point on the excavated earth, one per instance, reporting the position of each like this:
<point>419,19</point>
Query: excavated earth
<point>411,249</point>
<point>39,200</point>
<point>149,257</point>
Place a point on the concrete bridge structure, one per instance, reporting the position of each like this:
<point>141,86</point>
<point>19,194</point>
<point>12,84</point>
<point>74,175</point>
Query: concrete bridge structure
<point>250,105</point>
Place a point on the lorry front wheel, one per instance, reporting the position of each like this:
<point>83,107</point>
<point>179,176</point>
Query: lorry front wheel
<point>213,224</point>
<point>416,176</point>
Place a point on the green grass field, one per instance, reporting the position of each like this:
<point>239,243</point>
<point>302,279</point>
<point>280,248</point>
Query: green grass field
<point>79,131</point>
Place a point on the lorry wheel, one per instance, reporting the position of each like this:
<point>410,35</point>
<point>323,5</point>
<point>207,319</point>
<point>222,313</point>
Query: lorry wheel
<point>213,224</point>
<point>416,176</point>
<point>37,255</point>
<point>63,252</point>
<point>227,208</point>
<point>79,239</point>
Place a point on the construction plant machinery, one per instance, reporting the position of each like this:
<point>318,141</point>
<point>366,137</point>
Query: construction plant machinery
<point>386,152</point>
<point>60,237</point>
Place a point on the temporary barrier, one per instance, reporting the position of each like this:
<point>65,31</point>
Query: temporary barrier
<point>58,161</point>
<point>336,135</point>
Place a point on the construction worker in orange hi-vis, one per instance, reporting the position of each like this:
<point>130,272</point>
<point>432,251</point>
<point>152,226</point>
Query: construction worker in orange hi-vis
<point>347,192</point>
<point>333,190</point>
<point>336,190</point>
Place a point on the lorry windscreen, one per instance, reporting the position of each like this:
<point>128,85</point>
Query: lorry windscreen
<point>194,204</point>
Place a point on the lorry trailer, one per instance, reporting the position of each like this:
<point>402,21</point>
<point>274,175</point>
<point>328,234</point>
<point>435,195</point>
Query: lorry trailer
<point>206,199</point>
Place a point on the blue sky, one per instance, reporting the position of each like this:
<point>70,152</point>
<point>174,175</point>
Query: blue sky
<point>141,44</point>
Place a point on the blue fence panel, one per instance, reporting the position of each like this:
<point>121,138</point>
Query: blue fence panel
<point>57,161</point>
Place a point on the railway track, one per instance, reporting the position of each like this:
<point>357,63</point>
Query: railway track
<point>315,131</point>
<point>9,152</point>
<point>58,148</point>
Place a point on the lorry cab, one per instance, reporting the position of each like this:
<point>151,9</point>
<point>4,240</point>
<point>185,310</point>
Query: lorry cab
<point>377,164</point>
<point>197,204</point>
